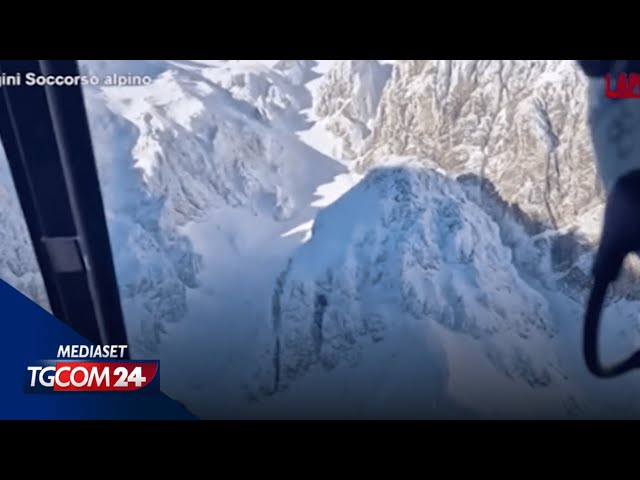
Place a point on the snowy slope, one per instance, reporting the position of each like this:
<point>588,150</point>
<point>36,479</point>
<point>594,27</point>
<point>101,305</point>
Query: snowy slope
<point>346,103</point>
<point>405,259</point>
<point>443,276</point>
<point>179,151</point>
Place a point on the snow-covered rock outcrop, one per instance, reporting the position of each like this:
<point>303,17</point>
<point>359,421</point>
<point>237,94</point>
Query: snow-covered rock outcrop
<point>407,264</point>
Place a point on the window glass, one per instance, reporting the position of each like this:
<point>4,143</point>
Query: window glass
<point>18,264</point>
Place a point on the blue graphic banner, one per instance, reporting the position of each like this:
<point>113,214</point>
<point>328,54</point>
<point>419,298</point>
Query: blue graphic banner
<point>31,334</point>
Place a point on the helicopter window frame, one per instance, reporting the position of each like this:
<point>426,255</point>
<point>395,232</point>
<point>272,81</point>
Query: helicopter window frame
<point>48,145</point>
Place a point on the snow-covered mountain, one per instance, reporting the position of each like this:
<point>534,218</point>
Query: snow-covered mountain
<point>406,264</point>
<point>171,156</point>
<point>353,238</point>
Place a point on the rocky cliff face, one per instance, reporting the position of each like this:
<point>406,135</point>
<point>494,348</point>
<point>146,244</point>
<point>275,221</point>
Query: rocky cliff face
<point>348,100</point>
<point>521,124</point>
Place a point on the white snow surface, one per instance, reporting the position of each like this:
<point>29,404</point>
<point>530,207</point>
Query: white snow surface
<point>303,238</point>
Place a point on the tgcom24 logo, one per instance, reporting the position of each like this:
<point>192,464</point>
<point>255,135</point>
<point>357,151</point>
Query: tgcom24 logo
<point>83,368</point>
